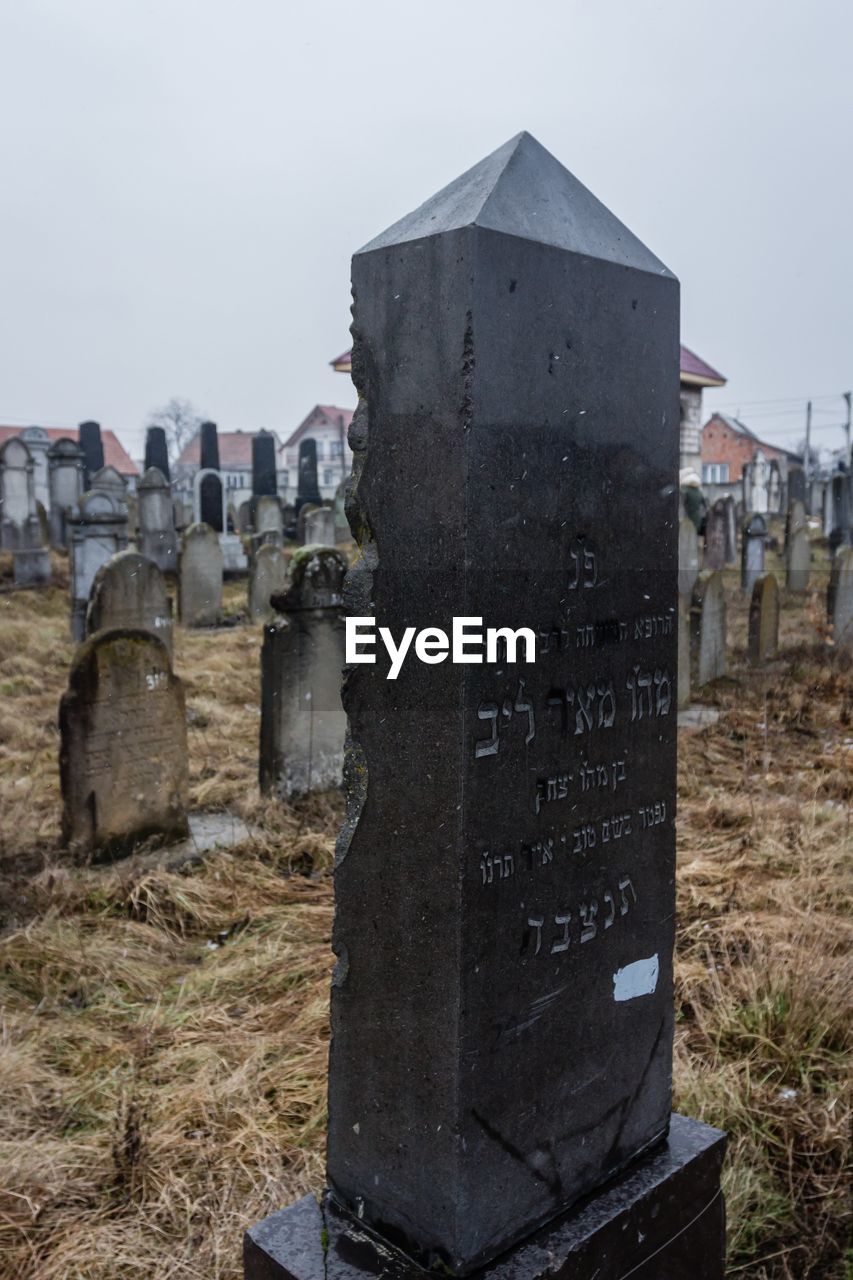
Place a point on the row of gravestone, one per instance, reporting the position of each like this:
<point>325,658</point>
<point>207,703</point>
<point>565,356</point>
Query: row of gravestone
<point>123,755</point>
<point>702,604</point>
<point>720,544</point>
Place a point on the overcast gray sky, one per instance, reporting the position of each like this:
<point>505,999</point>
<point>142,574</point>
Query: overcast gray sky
<point>184,181</point>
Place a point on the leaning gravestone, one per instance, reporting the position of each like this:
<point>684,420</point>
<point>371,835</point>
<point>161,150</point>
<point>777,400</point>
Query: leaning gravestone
<point>304,512</point>
<point>157,537</point>
<point>763,641</point>
<point>715,536</point>
<point>123,753</point>
<point>753,540</point>
<point>320,527</point>
<point>97,530</point>
<point>268,576</point>
<point>708,629</point>
<point>302,721</point>
<point>200,577</point>
<point>502,1009</point>
<point>129,593</point>
<point>840,598</point>
<point>798,558</point>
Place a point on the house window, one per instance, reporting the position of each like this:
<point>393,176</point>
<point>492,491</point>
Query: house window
<point>328,476</point>
<point>336,448</point>
<point>715,473</point>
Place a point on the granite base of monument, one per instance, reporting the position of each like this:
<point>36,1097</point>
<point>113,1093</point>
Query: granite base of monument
<point>663,1219</point>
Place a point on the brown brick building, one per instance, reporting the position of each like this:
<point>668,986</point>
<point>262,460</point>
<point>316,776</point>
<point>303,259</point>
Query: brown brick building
<point>728,445</point>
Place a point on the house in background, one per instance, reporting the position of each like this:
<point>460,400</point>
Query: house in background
<point>235,465</point>
<point>39,440</point>
<point>327,424</point>
<point>727,446</point>
<point>695,376</point>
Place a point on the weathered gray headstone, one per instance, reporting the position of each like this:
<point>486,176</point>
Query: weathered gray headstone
<point>129,593</point>
<point>763,641</point>
<point>157,538</point>
<point>708,629</point>
<point>97,530</point>
<point>753,540</point>
<point>38,442</point>
<point>200,577</point>
<point>795,520</point>
<point>840,598</point>
<point>304,512</point>
<point>688,556</point>
<point>320,527</point>
<point>65,482</point>
<point>31,567</point>
<point>756,476</point>
<point>19,526</point>
<point>684,605</point>
<point>774,488</point>
<point>109,480</point>
<point>715,536</point>
<point>302,719</point>
<point>268,517</point>
<point>123,753</point>
<point>268,576</point>
<point>796,485</point>
<point>798,557</point>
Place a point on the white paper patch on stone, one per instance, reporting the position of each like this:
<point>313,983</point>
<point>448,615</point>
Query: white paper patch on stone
<point>637,979</point>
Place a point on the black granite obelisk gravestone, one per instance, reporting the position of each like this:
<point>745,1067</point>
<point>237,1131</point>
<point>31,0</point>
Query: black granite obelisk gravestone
<point>89,439</point>
<point>156,451</point>
<point>502,1005</point>
<point>210,486</point>
<point>307,489</point>
<point>263,465</point>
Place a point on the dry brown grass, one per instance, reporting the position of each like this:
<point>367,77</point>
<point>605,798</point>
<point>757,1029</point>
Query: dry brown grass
<point>163,1035</point>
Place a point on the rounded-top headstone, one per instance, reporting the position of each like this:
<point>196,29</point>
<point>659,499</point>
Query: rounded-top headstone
<point>708,628</point>
<point>129,592</point>
<point>268,577</point>
<point>200,577</point>
<point>123,752</point>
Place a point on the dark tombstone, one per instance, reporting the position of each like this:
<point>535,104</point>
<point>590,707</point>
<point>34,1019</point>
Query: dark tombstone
<point>502,1010</point>
<point>753,539</point>
<point>731,530</point>
<point>715,536</point>
<point>123,752</point>
<point>157,451</point>
<point>840,598</point>
<point>302,720</point>
<point>763,631</point>
<point>307,489</point>
<point>89,438</point>
<point>210,501</point>
<point>841,508</point>
<point>209,447</point>
<point>796,485</point>
<point>264,481</point>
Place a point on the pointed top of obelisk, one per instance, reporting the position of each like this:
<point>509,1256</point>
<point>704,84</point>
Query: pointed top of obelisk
<point>522,190</point>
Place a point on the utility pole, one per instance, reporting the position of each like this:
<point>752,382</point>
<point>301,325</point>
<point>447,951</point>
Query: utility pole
<point>848,457</point>
<point>807,458</point>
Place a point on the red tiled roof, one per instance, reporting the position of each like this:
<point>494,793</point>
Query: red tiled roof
<point>692,367</point>
<point>115,454</point>
<point>343,362</point>
<point>332,414</point>
<point>235,449</point>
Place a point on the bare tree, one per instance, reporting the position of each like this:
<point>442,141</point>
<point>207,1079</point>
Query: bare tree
<point>180,420</point>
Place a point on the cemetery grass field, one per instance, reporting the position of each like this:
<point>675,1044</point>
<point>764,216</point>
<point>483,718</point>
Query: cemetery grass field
<point>163,1032</point>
